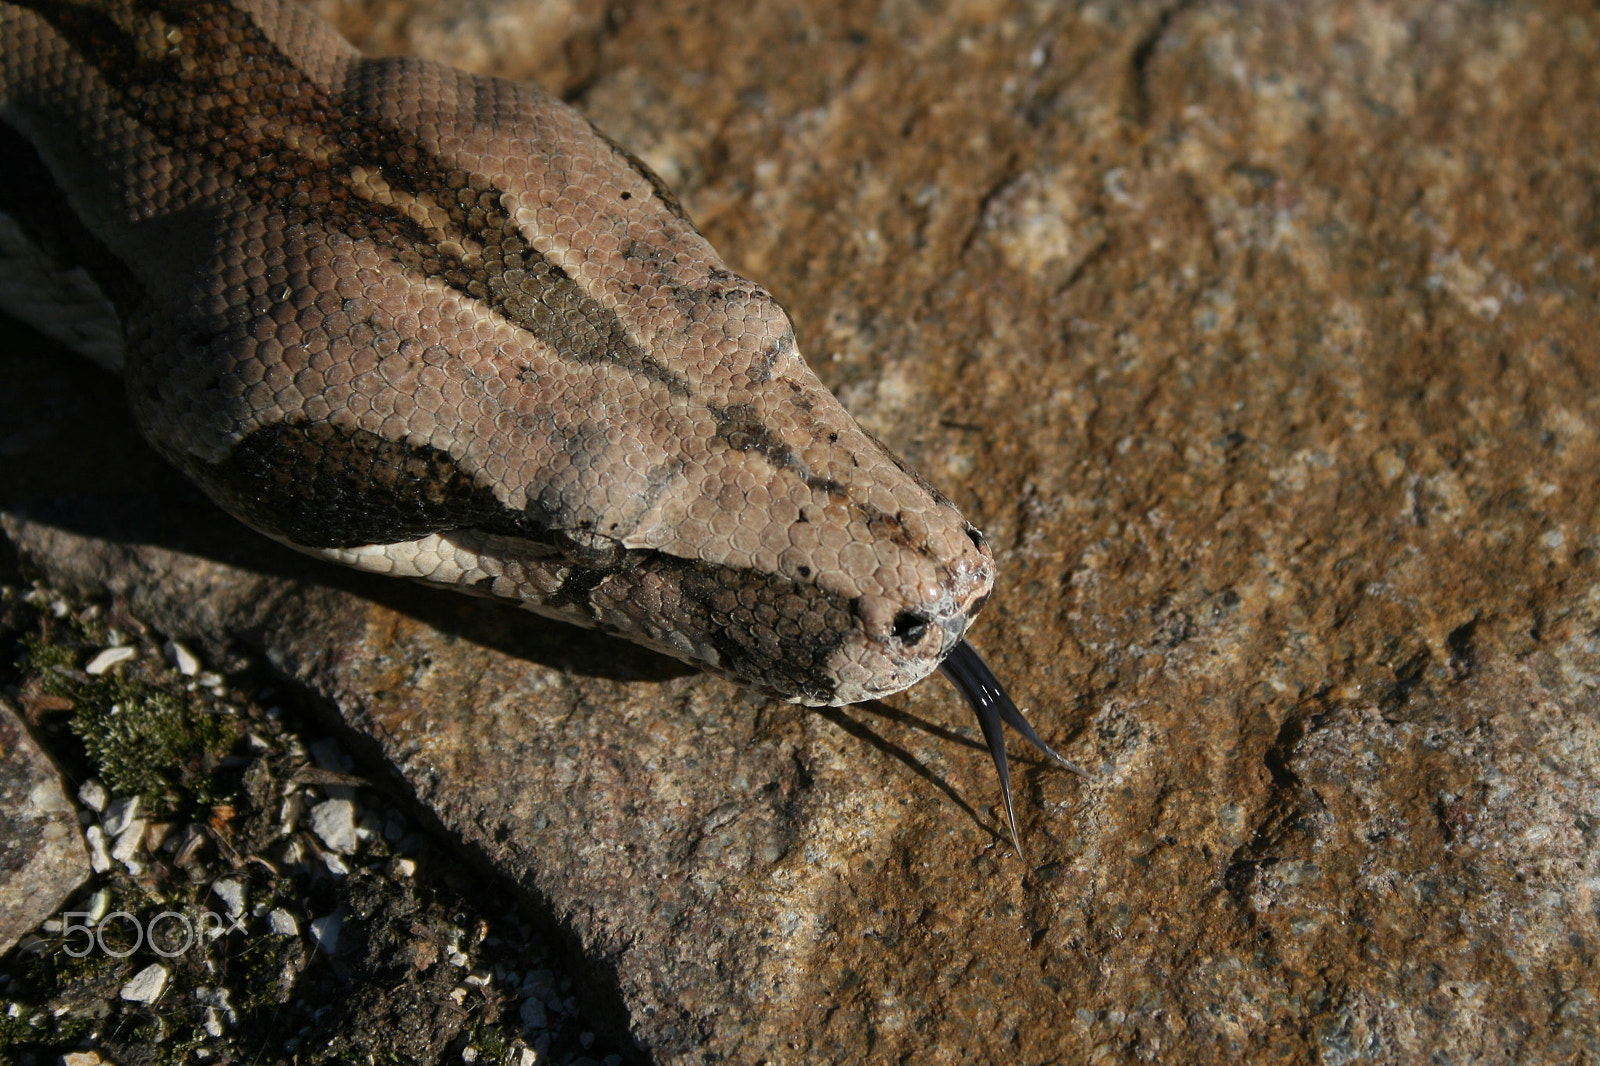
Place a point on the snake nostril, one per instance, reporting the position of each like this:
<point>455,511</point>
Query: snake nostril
<point>909,626</point>
<point>975,535</point>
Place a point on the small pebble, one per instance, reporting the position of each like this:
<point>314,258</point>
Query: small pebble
<point>294,804</point>
<point>182,658</point>
<point>147,985</point>
<point>283,923</point>
<point>232,894</point>
<point>156,835</point>
<point>130,843</point>
<point>109,658</point>
<point>119,814</point>
<point>99,853</point>
<point>325,931</point>
<point>83,1058</point>
<point>93,795</point>
<point>335,822</point>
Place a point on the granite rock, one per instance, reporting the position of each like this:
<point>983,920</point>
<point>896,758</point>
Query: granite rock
<point>42,856</point>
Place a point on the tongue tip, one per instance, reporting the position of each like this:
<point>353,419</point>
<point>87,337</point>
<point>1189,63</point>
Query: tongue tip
<point>971,676</point>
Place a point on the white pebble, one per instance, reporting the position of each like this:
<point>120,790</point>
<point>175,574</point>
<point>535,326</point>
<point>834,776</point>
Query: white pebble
<point>232,894</point>
<point>109,658</point>
<point>119,814</point>
<point>182,658</point>
<point>147,985</point>
<point>334,821</point>
<point>93,795</point>
<point>99,905</point>
<point>325,931</point>
<point>99,853</point>
<point>130,842</point>
<point>283,923</point>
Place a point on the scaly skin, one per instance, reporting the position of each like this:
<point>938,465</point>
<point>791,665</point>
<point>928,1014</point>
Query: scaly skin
<point>435,325</point>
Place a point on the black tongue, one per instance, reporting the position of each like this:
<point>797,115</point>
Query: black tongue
<point>972,677</point>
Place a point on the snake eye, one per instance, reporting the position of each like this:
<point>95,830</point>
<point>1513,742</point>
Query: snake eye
<point>909,626</point>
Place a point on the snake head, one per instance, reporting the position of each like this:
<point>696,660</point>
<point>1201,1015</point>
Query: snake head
<point>499,357</point>
<point>736,517</point>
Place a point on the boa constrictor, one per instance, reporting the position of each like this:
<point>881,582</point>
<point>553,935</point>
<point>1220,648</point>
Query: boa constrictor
<point>437,326</point>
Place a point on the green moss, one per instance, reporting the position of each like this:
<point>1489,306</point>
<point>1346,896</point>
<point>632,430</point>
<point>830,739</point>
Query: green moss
<point>148,743</point>
<point>143,740</point>
<point>263,964</point>
<point>19,1024</point>
<point>48,658</point>
<point>176,1043</point>
<point>493,1045</point>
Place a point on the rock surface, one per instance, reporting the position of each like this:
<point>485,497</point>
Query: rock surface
<point>42,857</point>
<point>1259,338</point>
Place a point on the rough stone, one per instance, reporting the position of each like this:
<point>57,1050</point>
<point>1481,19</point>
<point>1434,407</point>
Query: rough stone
<point>232,893</point>
<point>99,849</point>
<point>182,659</point>
<point>335,822</point>
<point>325,932</point>
<point>120,814</point>
<point>1260,339</point>
<point>42,855</point>
<point>93,795</point>
<point>147,985</point>
<point>283,923</point>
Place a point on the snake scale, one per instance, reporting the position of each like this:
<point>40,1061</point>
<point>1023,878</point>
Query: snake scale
<point>435,325</point>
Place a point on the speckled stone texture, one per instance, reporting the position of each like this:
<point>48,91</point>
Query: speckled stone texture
<point>42,856</point>
<point>1260,339</point>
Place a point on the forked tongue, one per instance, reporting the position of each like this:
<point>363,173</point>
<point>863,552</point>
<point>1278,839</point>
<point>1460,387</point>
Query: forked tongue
<point>971,675</point>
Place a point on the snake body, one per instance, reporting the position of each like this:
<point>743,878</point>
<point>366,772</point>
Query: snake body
<point>435,325</point>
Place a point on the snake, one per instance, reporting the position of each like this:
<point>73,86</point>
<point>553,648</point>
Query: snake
<point>436,325</point>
